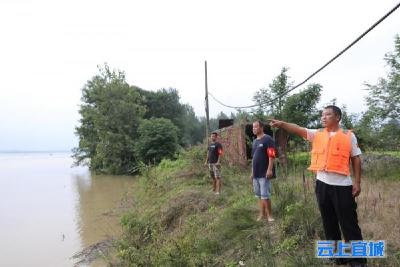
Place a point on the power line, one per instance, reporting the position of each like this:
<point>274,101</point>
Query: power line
<point>216,100</point>
<point>317,71</point>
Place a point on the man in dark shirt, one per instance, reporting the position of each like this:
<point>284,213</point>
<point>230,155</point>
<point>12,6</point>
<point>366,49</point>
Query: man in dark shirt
<point>213,161</point>
<point>263,153</point>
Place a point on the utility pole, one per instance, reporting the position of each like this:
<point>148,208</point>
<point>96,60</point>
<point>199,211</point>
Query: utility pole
<point>207,109</point>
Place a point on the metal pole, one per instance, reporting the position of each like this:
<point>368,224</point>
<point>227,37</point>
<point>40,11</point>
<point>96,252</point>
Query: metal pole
<point>207,109</point>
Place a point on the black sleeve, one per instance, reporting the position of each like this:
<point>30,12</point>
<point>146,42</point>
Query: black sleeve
<point>270,143</point>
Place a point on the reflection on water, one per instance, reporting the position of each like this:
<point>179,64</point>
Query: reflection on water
<point>49,211</point>
<point>101,199</point>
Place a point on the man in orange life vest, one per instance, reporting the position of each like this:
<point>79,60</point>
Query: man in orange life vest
<point>332,150</point>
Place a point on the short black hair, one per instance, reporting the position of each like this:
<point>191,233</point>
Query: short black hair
<point>336,110</point>
<point>260,123</point>
<point>216,133</point>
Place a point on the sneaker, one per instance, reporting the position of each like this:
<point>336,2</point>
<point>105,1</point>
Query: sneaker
<point>270,219</point>
<point>217,193</point>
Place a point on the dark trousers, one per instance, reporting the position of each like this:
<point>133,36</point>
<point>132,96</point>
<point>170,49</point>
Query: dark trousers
<point>338,208</point>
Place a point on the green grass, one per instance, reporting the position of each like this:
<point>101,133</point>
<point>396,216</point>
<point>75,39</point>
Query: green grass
<point>390,153</point>
<point>377,165</point>
<point>177,221</point>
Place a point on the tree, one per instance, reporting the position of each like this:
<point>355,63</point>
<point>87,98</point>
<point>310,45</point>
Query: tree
<point>242,116</point>
<point>214,122</point>
<point>111,112</point>
<point>378,126</point>
<point>365,131</point>
<point>110,116</point>
<point>389,137</point>
<point>384,98</point>
<point>271,100</point>
<point>348,120</point>
<point>158,139</point>
<point>300,108</point>
<point>165,103</point>
<point>194,131</point>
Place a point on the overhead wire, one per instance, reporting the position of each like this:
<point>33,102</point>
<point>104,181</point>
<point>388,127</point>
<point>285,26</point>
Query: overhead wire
<point>318,70</point>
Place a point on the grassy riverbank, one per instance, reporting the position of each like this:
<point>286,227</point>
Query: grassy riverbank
<point>176,220</point>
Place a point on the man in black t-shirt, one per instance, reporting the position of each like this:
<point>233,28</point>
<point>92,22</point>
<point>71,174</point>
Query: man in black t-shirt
<point>263,152</point>
<point>213,161</point>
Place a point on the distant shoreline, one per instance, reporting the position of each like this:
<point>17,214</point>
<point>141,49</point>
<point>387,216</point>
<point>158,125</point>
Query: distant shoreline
<point>33,151</point>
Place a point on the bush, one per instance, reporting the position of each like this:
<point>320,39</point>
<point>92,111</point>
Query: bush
<point>158,139</point>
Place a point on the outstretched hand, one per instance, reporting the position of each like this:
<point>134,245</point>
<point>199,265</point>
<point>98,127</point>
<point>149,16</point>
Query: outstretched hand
<point>275,123</point>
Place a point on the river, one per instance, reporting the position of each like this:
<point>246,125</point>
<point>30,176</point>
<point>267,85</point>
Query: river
<point>49,210</point>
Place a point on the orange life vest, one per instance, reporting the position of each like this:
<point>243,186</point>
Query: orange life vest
<point>331,154</point>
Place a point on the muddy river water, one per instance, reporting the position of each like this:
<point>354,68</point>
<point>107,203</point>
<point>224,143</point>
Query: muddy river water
<point>49,210</point>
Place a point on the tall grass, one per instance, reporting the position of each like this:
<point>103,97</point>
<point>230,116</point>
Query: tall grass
<point>376,165</point>
<point>177,221</point>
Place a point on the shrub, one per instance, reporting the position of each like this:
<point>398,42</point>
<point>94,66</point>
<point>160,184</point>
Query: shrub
<point>158,139</point>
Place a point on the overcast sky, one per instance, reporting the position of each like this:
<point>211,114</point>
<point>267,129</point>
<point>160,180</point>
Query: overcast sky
<point>49,49</point>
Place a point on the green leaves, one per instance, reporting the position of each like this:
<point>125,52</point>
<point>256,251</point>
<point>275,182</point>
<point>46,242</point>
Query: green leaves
<point>120,124</point>
<point>110,115</point>
<point>384,98</point>
<point>298,108</point>
<point>158,139</point>
<point>280,84</point>
<point>379,125</point>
